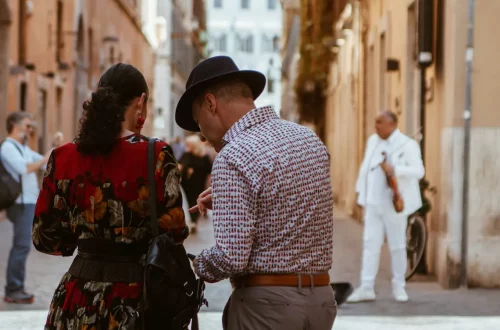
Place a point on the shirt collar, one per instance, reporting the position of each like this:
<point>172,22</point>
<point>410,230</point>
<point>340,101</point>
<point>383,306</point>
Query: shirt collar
<point>394,135</point>
<point>15,141</point>
<point>254,117</point>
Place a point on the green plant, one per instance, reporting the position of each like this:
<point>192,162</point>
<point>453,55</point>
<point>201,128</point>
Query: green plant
<point>315,59</point>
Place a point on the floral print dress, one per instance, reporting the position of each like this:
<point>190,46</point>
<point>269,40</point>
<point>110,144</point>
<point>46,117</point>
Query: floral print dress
<point>105,198</point>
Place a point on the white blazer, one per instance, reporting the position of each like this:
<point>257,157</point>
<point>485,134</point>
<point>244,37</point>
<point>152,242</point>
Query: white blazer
<point>406,158</point>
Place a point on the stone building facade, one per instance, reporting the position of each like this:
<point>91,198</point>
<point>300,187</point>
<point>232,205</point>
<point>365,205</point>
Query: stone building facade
<point>56,52</point>
<point>378,66</point>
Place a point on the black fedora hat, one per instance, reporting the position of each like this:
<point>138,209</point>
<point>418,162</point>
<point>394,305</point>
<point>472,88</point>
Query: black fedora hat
<point>209,71</point>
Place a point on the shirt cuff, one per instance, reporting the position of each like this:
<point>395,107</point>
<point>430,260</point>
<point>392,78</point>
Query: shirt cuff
<point>206,269</point>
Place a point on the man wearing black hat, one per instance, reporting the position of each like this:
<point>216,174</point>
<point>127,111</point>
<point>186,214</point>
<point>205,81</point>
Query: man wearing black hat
<point>271,199</point>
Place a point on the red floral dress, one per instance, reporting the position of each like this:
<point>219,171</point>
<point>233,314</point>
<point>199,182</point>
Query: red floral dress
<point>103,197</point>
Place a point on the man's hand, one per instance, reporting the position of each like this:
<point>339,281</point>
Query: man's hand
<point>203,202</point>
<point>388,169</point>
<point>46,157</point>
<point>57,139</point>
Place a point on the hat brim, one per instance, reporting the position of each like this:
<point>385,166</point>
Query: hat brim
<point>184,113</point>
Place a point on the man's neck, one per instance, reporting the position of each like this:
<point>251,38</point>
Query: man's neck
<point>239,111</point>
<point>15,139</point>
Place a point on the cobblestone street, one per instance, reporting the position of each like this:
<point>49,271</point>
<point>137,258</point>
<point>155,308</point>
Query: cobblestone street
<point>430,306</point>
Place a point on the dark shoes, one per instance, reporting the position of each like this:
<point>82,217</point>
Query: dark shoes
<point>19,297</point>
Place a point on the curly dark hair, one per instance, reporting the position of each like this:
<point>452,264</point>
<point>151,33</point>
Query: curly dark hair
<point>104,113</point>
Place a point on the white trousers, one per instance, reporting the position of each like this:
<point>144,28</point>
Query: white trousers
<point>381,221</point>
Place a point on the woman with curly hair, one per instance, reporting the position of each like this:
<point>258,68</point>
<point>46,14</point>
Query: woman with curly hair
<point>95,198</point>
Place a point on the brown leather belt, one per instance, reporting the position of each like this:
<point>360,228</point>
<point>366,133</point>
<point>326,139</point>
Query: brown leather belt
<point>292,280</point>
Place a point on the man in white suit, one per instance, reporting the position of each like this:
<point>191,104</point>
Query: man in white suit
<point>404,160</point>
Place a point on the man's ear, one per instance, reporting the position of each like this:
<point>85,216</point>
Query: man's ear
<point>211,102</point>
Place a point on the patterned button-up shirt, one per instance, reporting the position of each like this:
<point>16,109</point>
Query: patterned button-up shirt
<point>272,200</point>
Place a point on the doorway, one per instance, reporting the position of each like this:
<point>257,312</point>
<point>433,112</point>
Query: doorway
<point>412,93</point>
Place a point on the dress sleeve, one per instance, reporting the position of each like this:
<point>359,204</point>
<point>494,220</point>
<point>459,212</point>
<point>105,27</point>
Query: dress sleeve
<point>52,233</point>
<point>169,198</point>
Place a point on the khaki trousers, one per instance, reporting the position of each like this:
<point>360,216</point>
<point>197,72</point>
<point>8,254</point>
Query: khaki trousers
<point>280,308</point>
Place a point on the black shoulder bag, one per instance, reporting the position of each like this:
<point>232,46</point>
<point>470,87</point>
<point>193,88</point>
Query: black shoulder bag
<point>173,295</point>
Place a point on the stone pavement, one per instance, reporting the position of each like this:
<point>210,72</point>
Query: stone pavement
<point>430,307</point>
<point>33,320</point>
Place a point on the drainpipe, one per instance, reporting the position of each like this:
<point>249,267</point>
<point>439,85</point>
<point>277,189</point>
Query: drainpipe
<point>467,127</point>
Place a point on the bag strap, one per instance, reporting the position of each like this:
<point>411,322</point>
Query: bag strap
<point>20,176</point>
<point>152,186</point>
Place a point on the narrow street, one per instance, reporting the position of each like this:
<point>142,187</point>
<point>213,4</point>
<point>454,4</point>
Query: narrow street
<point>430,306</point>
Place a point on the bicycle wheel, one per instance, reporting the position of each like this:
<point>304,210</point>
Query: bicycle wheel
<point>416,238</point>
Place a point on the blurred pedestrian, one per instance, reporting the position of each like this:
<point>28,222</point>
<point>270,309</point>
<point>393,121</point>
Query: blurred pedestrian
<point>95,197</point>
<point>388,153</point>
<point>195,167</point>
<point>272,203</point>
<point>178,147</point>
<point>22,164</point>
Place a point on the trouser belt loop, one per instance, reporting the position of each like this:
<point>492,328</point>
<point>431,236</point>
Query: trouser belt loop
<point>311,277</point>
<point>300,281</point>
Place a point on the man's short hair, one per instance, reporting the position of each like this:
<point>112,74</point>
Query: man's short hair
<point>228,89</point>
<point>391,115</point>
<point>15,118</point>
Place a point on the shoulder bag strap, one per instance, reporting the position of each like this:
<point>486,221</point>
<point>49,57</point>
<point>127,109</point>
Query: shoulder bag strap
<point>152,186</point>
<point>20,176</point>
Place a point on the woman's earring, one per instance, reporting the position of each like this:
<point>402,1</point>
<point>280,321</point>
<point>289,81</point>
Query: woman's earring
<point>140,123</point>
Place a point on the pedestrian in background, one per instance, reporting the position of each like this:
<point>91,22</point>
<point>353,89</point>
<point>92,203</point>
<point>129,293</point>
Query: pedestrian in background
<point>178,147</point>
<point>22,163</point>
<point>388,153</point>
<point>95,197</point>
<point>195,167</point>
<point>272,203</point>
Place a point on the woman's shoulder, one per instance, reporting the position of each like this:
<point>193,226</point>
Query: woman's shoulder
<point>162,148</point>
<point>66,150</point>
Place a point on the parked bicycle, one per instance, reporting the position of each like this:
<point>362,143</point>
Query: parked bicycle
<point>416,232</point>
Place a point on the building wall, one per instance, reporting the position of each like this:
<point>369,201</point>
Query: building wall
<point>56,85</point>
<point>483,216</point>
<point>444,133</point>
<point>120,20</point>
<point>184,25</point>
<point>5,23</point>
<point>258,22</point>
<point>290,56</point>
<point>47,97</point>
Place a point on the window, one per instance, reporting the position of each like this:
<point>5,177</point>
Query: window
<point>270,86</point>
<point>220,43</point>
<point>59,31</point>
<point>22,44</point>
<point>112,56</point>
<point>22,96</point>
<point>245,44</point>
<point>249,44</point>
<point>59,109</point>
<point>271,4</point>
<point>90,70</point>
<point>42,120</point>
<point>267,44</point>
<point>276,44</point>
<point>217,3</point>
<point>245,4</point>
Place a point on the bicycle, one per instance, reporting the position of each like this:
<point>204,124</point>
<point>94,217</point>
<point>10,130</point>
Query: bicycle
<point>416,232</point>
